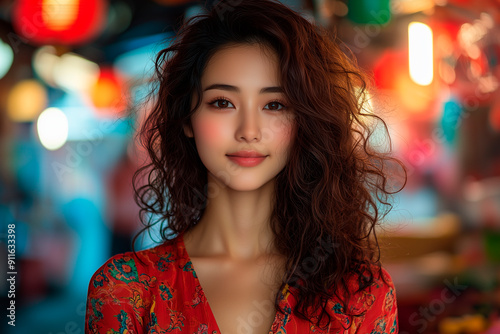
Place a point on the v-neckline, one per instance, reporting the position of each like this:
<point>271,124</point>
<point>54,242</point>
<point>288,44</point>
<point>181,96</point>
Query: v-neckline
<point>277,320</point>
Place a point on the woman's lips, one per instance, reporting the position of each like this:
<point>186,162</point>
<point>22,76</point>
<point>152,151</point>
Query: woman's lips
<point>246,161</point>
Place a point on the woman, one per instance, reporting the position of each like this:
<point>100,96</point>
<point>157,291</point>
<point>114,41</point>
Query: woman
<point>264,183</point>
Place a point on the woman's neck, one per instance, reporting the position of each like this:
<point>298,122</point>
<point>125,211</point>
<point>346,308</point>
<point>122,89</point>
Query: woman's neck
<point>235,224</point>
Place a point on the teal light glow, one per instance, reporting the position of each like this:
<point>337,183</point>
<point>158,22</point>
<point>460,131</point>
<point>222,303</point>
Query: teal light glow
<point>6,58</point>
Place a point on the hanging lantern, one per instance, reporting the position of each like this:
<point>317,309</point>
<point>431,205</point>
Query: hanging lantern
<point>63,22</point>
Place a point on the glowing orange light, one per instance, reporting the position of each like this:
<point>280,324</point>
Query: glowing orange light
<point>59,15</point>
<point>109,93</point>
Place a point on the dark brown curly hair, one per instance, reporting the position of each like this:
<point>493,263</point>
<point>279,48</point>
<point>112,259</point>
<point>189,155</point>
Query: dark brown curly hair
<point>334,189</point>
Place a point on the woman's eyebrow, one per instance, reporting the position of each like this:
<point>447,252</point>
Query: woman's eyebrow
<point>237,90</point>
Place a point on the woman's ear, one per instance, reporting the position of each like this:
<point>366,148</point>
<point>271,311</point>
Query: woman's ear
<point>188,130</point>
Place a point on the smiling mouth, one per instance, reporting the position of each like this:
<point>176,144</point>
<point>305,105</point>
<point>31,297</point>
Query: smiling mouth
<point>246,161</point>
<point>247,154</point>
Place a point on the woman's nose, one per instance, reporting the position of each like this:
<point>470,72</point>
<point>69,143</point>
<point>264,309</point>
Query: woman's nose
<point>249,127</point>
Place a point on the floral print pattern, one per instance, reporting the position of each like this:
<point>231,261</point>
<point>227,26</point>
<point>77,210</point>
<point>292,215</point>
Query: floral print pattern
<point>157,291</point>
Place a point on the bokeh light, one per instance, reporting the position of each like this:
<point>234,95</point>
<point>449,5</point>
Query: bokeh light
<point>26,100</point>
<point>420,51</point>
<point>69,68</point>
<point>52,128</point>
<point>58,21</point>
<point>73,72</point>
<point>108,94</point>
<point>6,58</point>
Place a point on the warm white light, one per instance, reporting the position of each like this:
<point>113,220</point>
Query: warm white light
<point>52,127</point>
<point>6,58</point>
<point>420,53</point>
<point>73,72</point>
<point>44,61</point>
<point>69,72</point>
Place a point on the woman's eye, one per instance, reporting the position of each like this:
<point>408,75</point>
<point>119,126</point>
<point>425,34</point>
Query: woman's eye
<point>275,105</point>
<point>222,103</point>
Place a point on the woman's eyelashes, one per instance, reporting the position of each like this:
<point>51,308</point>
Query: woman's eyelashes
<point>223,103</point>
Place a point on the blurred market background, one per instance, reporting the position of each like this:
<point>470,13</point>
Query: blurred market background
<point>70,69</point>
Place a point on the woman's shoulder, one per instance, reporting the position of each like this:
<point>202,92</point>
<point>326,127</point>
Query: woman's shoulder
<point>140,266</point>
<point>381,280</point>
<point>367,285</point>
<point>372,304</point>
<point>123,290</point>
<point>373,278</point>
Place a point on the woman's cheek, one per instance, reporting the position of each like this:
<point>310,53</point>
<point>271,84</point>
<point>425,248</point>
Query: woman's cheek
<point>285,130</point>
<point>210,130</point>
<point>284,138</point>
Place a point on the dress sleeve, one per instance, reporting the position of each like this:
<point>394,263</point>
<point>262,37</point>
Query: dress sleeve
<point>116,300</point>
<point>381,308</point>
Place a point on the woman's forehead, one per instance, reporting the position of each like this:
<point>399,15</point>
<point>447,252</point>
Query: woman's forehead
<point>242,65</point>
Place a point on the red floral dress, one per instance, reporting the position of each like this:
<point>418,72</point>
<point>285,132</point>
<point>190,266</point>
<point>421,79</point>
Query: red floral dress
<point>162,294</point>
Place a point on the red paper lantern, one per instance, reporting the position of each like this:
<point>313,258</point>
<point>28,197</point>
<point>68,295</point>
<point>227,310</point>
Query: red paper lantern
<point>64,22</point>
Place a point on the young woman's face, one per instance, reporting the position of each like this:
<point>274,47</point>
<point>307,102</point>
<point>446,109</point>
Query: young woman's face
<point>242,109</point>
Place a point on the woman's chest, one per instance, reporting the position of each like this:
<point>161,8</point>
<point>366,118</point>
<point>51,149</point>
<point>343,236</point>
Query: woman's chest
<point>240,296</point>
